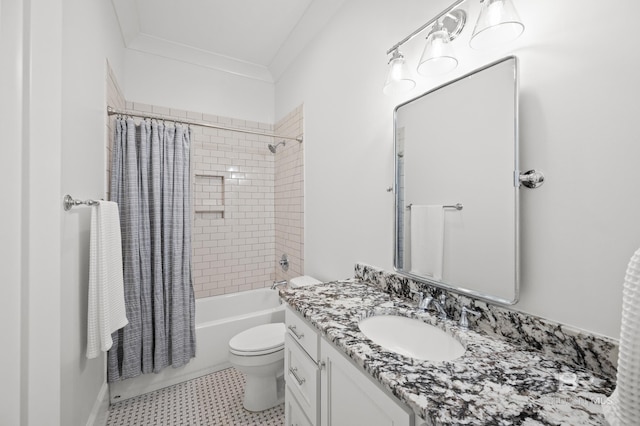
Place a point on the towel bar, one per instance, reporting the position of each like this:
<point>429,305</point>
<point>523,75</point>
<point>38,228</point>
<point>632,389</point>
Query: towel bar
<point>457,206</point>
<point>68,202</point>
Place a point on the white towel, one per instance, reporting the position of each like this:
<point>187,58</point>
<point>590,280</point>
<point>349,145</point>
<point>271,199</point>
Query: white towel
<point>427,240</point>
<point>623,407</point>
<point>106,312</point>
<point>303,281</point>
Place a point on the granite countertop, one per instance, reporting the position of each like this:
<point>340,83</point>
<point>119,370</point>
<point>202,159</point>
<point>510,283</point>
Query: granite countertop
<point>494,382</point>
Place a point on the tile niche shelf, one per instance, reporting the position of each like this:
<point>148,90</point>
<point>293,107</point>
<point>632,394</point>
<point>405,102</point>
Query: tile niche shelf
<point>209,195</point>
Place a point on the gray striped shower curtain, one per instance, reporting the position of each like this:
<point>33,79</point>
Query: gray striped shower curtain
<point>150,181</point>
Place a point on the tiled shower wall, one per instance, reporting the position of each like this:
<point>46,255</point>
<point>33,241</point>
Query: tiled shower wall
<point>234,179</point>
<point>233,231</point>
<point>289,196</point>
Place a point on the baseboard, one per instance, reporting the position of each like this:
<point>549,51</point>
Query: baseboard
<point>100,411</point>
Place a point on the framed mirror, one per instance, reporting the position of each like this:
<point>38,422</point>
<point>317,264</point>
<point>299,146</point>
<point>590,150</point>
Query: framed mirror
<point>456,185</point>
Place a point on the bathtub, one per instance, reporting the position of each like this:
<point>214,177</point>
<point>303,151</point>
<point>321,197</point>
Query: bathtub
<point>218,319</point>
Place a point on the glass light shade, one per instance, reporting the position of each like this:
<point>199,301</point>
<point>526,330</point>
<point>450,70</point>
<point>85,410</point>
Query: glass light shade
<point>437,57</point>
<point>398,78</point>
<point>497,24</point>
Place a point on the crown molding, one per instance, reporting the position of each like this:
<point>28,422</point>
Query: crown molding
<point>317,15</point>
<point>180,52</point>
<point>134,39</point>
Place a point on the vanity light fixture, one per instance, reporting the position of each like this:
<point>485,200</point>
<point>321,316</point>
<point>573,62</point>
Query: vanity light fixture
<point>398,77</point>
<point>497,24</point>
<point>437,57</point>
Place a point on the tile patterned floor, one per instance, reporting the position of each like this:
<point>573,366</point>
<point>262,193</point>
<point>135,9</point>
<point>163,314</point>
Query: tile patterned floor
<point>212,400</point>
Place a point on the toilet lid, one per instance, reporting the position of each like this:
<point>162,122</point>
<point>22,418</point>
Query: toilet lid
<point>259,340</point>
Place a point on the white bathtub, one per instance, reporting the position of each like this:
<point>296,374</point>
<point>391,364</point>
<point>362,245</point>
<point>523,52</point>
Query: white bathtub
<point>218,319</point>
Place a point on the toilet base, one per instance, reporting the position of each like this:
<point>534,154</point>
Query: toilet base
<point>263,392</point>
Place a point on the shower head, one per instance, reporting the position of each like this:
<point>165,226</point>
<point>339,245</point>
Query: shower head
<point>272,148</point>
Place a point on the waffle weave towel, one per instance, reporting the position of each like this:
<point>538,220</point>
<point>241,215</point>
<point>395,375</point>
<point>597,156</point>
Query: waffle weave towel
<point>106,311</point>
<point>623,407</point>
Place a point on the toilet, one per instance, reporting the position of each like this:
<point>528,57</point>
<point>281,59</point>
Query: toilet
<point>259,353</point>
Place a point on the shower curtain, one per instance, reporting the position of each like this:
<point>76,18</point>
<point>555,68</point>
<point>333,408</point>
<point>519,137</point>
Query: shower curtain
<point>150,181</point>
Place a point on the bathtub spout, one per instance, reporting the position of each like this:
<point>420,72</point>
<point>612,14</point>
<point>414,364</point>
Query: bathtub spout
<point>277,284</point>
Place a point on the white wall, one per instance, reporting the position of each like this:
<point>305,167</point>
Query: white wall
<point>156,80</point>
<point>30,44</point>
<point>577,125</point>
<point>11,224</point>
<point>90,37</point>
<point>42,235</point>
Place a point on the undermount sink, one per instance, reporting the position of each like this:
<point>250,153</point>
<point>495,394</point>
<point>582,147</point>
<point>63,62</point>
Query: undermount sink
<point>411,337</point>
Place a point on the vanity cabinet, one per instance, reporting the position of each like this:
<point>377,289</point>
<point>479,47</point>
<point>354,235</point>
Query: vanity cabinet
<point>325,388</point>
<point>349,397</point>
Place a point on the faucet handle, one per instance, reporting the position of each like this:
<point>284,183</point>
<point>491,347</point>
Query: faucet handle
<point>443,299</point>
<point>420,296</point>
<point>464,322</point>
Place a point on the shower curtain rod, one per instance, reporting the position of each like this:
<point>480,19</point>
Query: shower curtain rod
<point>114,111</point>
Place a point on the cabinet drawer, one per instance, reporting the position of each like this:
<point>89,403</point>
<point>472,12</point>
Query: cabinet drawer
<point>294,416</point>
<point>302,333</point>
<point>302,377</point>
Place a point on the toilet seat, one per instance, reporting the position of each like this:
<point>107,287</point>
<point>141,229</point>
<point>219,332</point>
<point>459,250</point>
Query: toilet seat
<point>260,340</point>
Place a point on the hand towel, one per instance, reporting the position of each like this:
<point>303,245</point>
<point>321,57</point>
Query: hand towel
<point>303,281</point>
<point>427,240</point>
<point>623,407</point>
<point>106,310</point>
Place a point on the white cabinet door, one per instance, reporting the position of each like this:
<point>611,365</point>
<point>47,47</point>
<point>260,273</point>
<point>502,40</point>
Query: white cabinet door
<point>293,414</point>
<point>350,398</point>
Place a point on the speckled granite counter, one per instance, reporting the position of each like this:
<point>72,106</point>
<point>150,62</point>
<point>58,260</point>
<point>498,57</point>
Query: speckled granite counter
<point>495,382</point>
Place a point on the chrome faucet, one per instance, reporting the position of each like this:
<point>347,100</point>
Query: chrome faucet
<point>429,301</point>
<point>278,284</point>
<point>424,303</point>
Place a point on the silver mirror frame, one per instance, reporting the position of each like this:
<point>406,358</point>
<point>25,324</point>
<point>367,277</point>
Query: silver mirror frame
<point>399,203</point>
